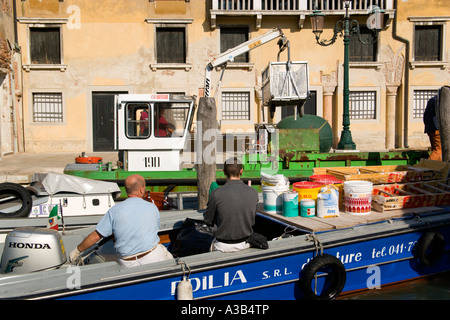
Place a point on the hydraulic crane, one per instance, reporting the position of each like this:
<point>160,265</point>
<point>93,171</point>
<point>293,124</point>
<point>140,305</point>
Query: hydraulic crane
<point>229,55</point>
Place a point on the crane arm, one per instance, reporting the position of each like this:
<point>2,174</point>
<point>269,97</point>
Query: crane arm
<point>229,55</point>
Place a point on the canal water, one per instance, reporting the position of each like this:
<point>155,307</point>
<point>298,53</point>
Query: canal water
<point>435,287</point>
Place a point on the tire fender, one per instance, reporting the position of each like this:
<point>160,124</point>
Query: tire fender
<point>336,277</point>
<point>430,247</point>
<point>22,194</point>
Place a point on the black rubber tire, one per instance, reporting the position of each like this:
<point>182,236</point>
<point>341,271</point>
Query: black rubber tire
<point>19,192</point>
<point>430,248</point>
<point>335,279</point>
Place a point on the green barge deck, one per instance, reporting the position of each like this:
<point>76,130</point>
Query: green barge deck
<point>295,166</point>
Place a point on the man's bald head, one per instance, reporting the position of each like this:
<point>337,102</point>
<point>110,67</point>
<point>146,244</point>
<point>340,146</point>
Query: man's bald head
<point>135,185</point>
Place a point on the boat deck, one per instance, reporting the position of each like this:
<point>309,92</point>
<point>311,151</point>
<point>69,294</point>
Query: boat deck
<point>346,220</point>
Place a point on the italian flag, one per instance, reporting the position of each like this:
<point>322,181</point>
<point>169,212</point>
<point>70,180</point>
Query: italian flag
<point>53,218</point>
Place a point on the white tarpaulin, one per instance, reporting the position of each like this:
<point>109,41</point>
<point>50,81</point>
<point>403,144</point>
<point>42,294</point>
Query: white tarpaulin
<point>55,183</point>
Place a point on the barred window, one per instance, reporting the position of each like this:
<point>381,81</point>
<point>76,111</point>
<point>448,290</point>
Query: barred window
<point>47,107</point>
<point>236,106</point>
<point>421,98</point>
<point>363,105</point>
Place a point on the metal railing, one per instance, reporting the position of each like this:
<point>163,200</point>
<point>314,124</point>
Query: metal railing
<point>339,4</point>
<point>296,5</point>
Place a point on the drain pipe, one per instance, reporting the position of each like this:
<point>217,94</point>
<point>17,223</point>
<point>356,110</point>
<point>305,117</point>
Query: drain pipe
<point>18,80</point>
<point>406,84</point>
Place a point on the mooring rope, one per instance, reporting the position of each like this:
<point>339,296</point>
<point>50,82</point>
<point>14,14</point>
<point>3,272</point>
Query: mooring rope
<point>317,243</point>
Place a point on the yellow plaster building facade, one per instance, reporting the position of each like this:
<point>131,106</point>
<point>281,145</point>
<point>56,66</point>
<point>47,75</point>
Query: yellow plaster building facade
<point>8,81</point>
<point>76,54</point>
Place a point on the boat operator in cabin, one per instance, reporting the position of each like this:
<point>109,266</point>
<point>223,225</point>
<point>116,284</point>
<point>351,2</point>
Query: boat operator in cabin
<point>232,210</point>
<point>134,223</point>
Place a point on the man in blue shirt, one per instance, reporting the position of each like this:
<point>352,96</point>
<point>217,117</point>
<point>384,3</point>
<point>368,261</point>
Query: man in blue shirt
<point>135,224</point>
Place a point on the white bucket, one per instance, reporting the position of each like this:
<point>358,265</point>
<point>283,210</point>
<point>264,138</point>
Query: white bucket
<point>274,180</point>
<point>307,208</point>
<point>358,197</point>
<point>328,202</point>
<point>273,198</point>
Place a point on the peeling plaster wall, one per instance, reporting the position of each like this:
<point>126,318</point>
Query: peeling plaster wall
<point>6,78</point>
<point>109,46</point>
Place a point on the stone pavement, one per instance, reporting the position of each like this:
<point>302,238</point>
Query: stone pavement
<point>19,167</point>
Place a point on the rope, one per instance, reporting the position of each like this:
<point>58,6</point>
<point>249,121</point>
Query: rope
<point>289,75</point>
<point>317,243</point>
<point>184,266</point>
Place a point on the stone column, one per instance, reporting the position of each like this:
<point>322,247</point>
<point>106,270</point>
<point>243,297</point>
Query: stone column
<point>393,73</point>
<point>391,93</point>
<point>329,82</point>
<point>328,92</point>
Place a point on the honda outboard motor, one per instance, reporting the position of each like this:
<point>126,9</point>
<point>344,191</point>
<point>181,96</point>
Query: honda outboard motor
<point>29,249</point>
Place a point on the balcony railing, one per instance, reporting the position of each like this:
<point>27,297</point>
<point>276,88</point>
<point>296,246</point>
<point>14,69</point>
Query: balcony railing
<point>300,8</point>
<point>297,4</point>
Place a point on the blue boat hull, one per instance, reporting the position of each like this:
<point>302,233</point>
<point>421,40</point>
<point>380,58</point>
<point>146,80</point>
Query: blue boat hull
<point>371,260</point>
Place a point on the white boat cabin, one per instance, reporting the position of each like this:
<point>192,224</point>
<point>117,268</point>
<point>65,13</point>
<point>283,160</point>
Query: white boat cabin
<point>152,129</point>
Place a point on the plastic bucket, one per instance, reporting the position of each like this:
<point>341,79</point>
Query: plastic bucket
<point>273,198</point>
<point>307,189</point>
<point>326,179</point>
<point>274,180</point>
<point>358,197</point>
<point>328,202</point>
<point>307,208</point>
<point>322,177</point>
<point>290,203</point>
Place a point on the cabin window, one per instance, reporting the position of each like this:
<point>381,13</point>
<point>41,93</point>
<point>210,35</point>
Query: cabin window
<point>360,52</point>
<point>171,118</point>
<point>231,37</point>
<point>45,45</point>
<point>138,120</point>
<point>171,45</point>
<point>47,107</point>
<point>421,98</point>
<point>363,105</point>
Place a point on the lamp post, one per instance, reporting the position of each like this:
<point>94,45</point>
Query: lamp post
<point>345,28</point>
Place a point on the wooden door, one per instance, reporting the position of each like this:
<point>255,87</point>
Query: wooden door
<point>103,120</point>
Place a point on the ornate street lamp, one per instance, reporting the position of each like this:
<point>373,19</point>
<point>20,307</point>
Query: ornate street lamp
<point>345,28</point>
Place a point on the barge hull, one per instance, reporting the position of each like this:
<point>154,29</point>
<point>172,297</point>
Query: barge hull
<point>375,254</point>
<point>278,278</point>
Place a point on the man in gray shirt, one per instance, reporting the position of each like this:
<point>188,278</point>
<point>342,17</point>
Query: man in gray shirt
<point>232,210</point>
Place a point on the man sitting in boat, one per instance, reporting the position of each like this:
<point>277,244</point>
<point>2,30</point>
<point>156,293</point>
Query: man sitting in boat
<point>232,210</point>
<point>135,224</point>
